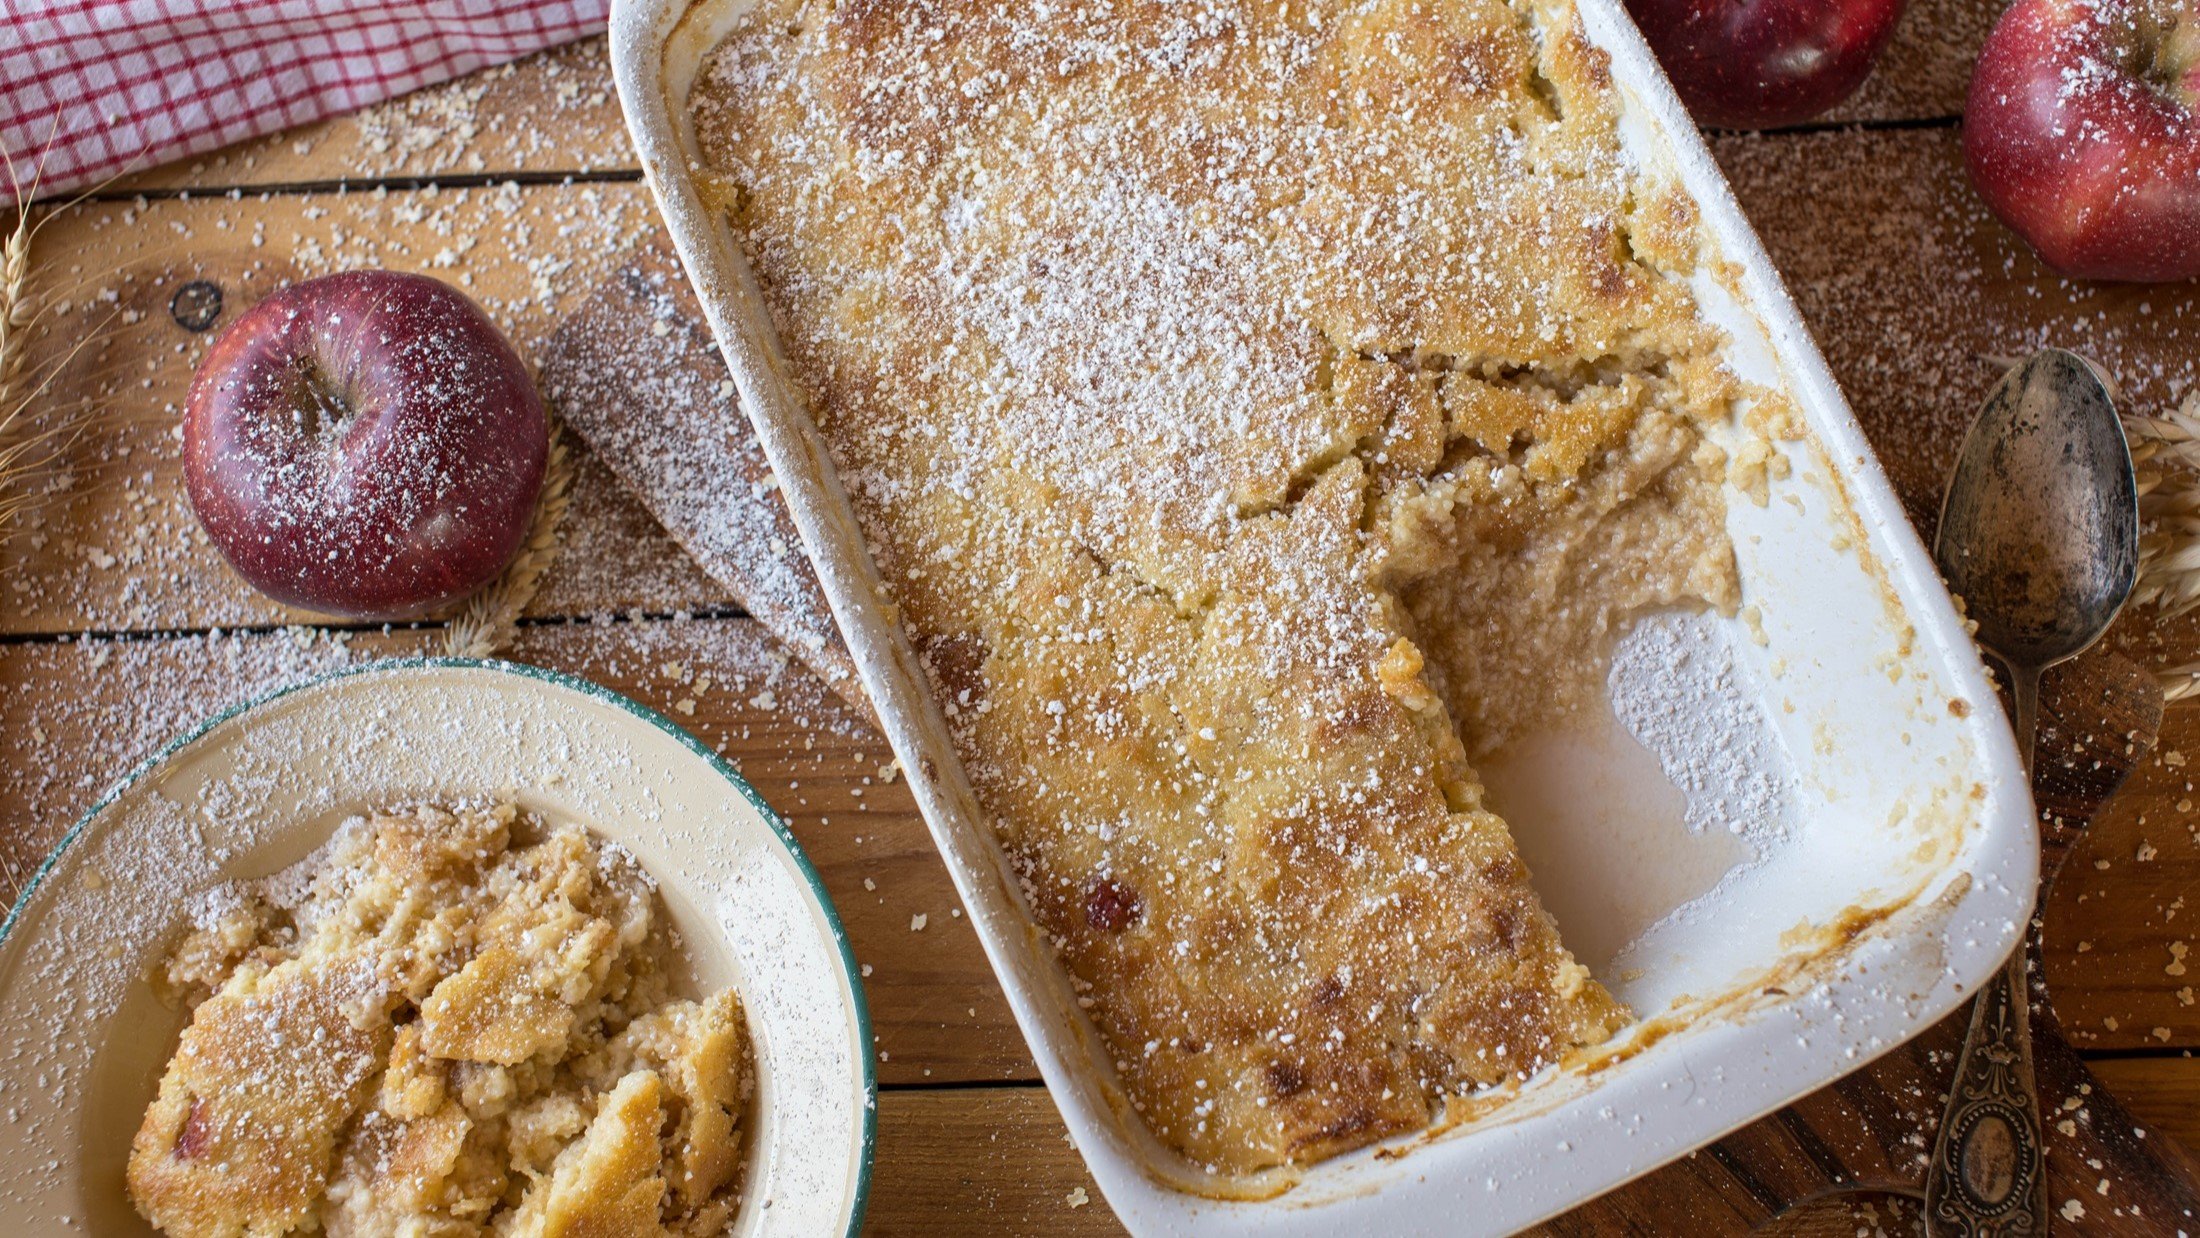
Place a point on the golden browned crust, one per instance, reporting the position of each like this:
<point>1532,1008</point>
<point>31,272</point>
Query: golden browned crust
<point>1243,402</point>
<point>450,1034</point>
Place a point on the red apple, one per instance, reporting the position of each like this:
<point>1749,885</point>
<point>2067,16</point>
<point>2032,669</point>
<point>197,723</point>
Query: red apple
<point>1756,64</point>
<point>365,444</point>
<point>2081,134</point>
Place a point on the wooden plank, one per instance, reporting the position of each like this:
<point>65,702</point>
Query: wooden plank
<point>998,1161</point>
<point>557,112</point>
<point>980,1160</point>
<point>2123,957</point>
<point>118,550</point>
<point>1865,1215</point>
<point>2162,1092</point>
<point>78,714</point>
<point>554,112</point>
<point>1907,281</point>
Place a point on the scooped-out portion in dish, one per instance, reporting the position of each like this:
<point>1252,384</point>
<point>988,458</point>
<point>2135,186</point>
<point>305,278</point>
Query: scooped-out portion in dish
<point>460,1021</point>
<point>1258,412</point>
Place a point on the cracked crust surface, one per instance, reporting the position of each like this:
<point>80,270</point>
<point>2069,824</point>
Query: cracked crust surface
<point>455,1031</point>
<point>1258,411</point>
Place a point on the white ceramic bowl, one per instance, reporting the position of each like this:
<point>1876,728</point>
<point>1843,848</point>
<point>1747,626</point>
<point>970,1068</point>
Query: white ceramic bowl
<point>83,1041</point>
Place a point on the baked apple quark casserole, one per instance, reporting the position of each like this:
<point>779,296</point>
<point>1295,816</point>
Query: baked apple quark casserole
<point>462,1024</point>
<point>1259,412</point>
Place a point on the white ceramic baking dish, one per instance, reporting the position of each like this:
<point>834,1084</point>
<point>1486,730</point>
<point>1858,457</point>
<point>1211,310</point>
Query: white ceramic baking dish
<point>1840,724</point>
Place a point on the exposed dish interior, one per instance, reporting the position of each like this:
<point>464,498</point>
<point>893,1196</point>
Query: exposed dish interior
<point>1260,417</point>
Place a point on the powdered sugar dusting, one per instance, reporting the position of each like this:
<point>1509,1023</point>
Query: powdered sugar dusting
<point>1163,350</point>
<point>658,406</point>
<point>1838,210</point>
<point>1678,688</point>
<point>82,713</point>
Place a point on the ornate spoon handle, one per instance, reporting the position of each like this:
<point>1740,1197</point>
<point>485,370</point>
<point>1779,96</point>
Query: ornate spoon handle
<point>1989,1172</point>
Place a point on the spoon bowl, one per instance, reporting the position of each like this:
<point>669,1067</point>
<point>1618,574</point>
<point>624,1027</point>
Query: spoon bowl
<point>2039,533</point>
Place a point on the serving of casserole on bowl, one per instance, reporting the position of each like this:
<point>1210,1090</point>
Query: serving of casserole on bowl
<point>555,968</point>
<point>1428,703</point>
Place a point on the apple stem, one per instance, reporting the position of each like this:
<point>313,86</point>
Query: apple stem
<point>2180,56</point>
<point>2164,50</point>
<point>324,409</point>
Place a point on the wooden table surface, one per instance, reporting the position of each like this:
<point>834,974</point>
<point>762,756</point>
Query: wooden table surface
<point>120,625</point>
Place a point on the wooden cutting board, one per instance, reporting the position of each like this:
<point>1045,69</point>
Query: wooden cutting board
<point>634,371</point>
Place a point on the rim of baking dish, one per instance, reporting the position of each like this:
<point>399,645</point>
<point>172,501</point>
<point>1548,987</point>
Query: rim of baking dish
<point>1986,888</point>
<point>718,764</point>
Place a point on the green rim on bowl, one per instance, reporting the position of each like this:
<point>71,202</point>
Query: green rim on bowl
<point>598,692</point>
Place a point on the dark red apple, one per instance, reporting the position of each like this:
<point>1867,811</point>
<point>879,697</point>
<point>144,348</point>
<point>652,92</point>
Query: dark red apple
<point>365,444</point>
<point>1757,64</point>
<point>2081,134</point>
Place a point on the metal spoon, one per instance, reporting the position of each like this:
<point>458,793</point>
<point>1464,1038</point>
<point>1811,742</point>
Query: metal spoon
<point>2039,534</point>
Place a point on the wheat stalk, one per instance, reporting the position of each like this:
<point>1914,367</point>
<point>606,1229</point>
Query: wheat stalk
<point>17,306</point>
<point>30,443</point>
<point>2179,683</point>
<point>18,310</point>
<point>15,314</point>
<point>2165,452</point>
<point>489,620</point>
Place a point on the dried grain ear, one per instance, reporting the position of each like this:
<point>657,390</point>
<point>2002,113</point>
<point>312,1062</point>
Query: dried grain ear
<point>2165,453</point>
<point>35,427</point>
<point>490,619</point>
<point>18,309</point>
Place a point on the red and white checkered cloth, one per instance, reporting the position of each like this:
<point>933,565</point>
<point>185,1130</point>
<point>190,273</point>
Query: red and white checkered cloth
<point>93,88</point>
